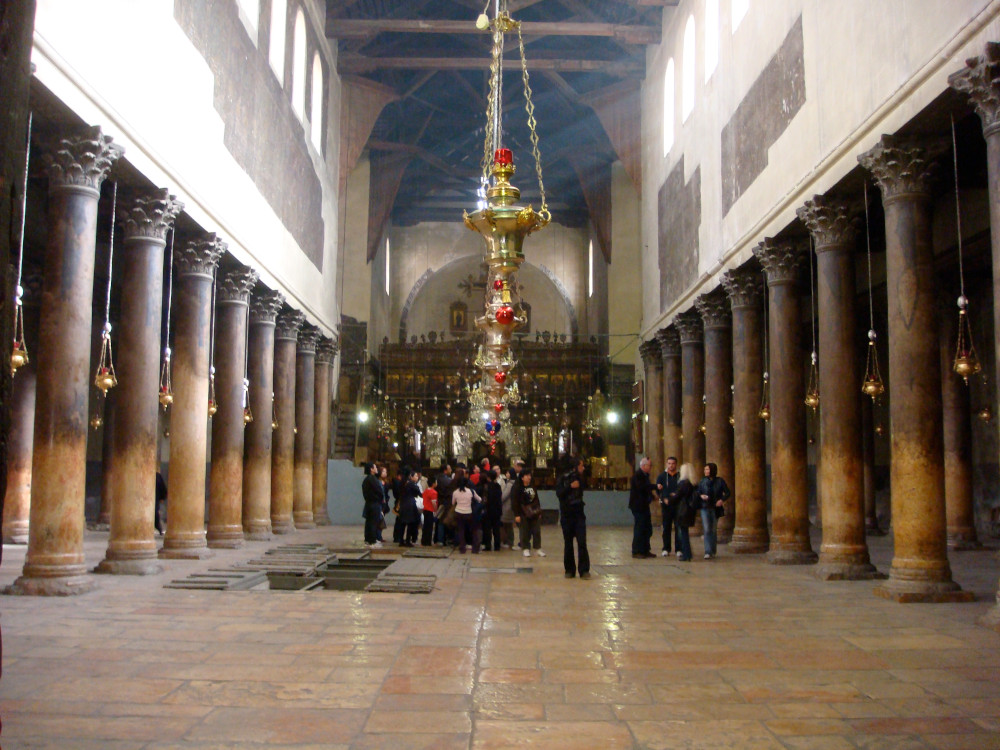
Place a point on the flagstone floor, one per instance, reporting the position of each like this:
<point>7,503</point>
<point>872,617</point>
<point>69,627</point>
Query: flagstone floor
<point>727,653</point>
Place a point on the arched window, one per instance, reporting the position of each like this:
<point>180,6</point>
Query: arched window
<point>590,269</point>
<point>299,65</point>
<point>668,107</point>
<point>740,8</point>
<point>316,104</point>
<point>687,71</point>
<point>711,37</point>
<point>250,15</point>
<point>276,48</point>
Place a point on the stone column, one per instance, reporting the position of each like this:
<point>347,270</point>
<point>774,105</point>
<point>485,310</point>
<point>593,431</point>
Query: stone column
<point>305,426</point>
<point>107,408</point>
<point>670,353</point>
<point>264,307</point>
<point>745,288</point>
<point>868,458</point>
<point>718,321</point>
<point>653,449</point>
<point>134,435</point>
<point>956,415</point>
<point>17,499</point>
<point>225,482</point>
<point>194,267</point>
<point>54,563</point>
<point>692,336</point>
<point>783,263</point>
<point>326,352</point>
<point>283,442</point>
<point>843,554</point>
<point>920,569</point>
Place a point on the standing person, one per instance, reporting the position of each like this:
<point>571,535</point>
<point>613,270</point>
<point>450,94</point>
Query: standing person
<point>569,490</point>
<point>408,513</point>
<point>383,478</point>
<point>398,485</point>
<point>430,506</point>
<point>492,512</point>
<point>507,511</point>
<point>666,485</point>
<point>445,484</point>
<point>713,491</point>
<point>466,528</point>
<point>161,499</point>
<point>641,493</point>
<point>371,491</point>
<point>684,501</point>
<point>527,513</point>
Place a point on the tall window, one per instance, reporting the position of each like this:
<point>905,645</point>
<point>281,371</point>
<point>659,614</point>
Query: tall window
<point>740,8</point>
<point>687,71</point>
<point>668,107</point>
<point>299,65</point>
<point>316,105</point>
<point>711,37</point>
<point>276,48</point>
<point>250,15</point>
<point>590,270</point>
<point>387,266</point>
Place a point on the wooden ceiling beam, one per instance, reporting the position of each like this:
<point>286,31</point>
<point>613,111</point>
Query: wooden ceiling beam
<point>351,64</point>
<point>423,154</point>
<point>341,28</point>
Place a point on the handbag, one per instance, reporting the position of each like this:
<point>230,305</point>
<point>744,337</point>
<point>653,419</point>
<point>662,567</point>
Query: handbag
<point>449,517</point>
<point>531,512</point>
<point>381,522</point>
<point>720,511</point>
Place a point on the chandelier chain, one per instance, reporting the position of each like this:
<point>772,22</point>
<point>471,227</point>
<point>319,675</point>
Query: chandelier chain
<point>530,109</point>
<point>958,210</point>
<point>868,240</point>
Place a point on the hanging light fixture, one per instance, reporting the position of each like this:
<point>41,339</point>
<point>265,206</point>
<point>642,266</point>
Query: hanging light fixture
<point>765,402</point>
<point>732,416</point>
<point>104,378</point>
<point>274,414</point>
<point>504,225</point>
<point>213,405</point>
<point>872,385</point>
<point>812,390</point>
<point>966,360</point>
<point>166,394</point>
<point>19,351</point>
<point>704,407</point>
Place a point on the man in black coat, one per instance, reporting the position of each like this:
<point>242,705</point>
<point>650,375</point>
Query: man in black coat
<point>666,485</point>
<point>641,493</point>
<point>371,491</point>
<point>569,490</point>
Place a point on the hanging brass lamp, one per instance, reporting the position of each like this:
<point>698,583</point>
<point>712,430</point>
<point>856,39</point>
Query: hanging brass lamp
<point>966,360</point>
<point>166,395</point>
<point>19,353</point>
<point>765,403</point>
<point>812,391</point>
<point>213,405</point>
<point>104,378</point>
<point>872,385</point>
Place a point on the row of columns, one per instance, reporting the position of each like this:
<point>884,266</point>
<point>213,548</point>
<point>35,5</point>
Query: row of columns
<point>261,481</point>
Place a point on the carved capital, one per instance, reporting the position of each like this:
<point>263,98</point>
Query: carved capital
<point>903,166</point>
<point>715,310</point>
<point>326,351</point>
<point>235,286</point>
<point>830,223</point>
<point>669,341</point>
<point>690,327</point>
<point>152,215</point>
<point>744,286</point>
<point>265,304</point>
<point>783,262</point>
<point>308,338</point>
<point>288,324</point>
<point>199,256</point>
<point>650,353</point>
<point>82,161</point>
<point>980,80</point>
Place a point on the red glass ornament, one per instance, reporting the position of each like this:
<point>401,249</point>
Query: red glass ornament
<point>498,408</point>
<point>500,377</point>
<point>503,156</point>
<point>498,284</point>
<point>505,315</point>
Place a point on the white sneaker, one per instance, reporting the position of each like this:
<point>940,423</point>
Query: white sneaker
<point>679,553</point>
<point>708,556</point>
<point>540,553</point>
<point>527,553</point>
<point>516,547</point>
<point>377,545</point>
<point>664,553</point>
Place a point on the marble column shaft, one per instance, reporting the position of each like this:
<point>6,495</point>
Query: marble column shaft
<point>670,354</point>
<point>745,288</point>
<point>194,267</point>
<point>17,500</point>
<point>283,441</point>
<point>54,563</point>
<point>135,429</point>
<point>717,317</point>
<point>783,264</point>
<point>692,337</point>
<point>844,551</point>
<point>920,570</point>
<point>868,457</point>
<point>264,307</point>
<point>653,396</point>
<point>305,426</point>
<point>326,352</point>
<point>225,482</point>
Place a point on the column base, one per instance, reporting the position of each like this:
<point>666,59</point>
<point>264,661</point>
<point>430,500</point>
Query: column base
<point>257,534</point>
<point>321,518</point>
<point>138,567</point>
<point>15,539</point>
<point>304,520</point>
<point>963,541</point>
<point>56,586</point>
<point>991,619</point>
<point>186,553</point>
<point>749,541</point>
<point>791,557</point>
<point>99,526</point>
<point>847,571</point>
<point>724,537</point>
<point>284,526</point>
<point>922,592</point>
<point>227,537</point>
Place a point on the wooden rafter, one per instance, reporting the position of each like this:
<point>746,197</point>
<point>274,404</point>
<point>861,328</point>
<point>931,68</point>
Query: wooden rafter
<point>618,109</point>
<point>349,64</point>
<point>341,28</point>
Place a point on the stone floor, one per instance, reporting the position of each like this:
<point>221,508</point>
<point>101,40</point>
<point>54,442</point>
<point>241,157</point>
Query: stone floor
<point>728,653</point>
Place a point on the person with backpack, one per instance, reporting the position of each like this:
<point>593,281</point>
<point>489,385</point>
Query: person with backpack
<point>492,511</point>
<point>528,513</point>
<point>684,503</point>
<point>713,493</point>
<point>569,490</point>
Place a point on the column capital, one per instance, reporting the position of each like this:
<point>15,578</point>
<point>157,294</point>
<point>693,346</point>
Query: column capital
<point>690,327</point>
<point>980,80</point>
<point>288,324</point>
<point>714,309</point>
<point>235,286</point>
<point>650,353</point>
<point>308,338</point>
<point>82,161</point>
<point>744,287</point>
<point>265,304</point>
<point>199,256</point>
<point>831,223</point>
<point>326,350</point>
<point>151,215</point>
<point>669,341</point>
<point>903,166</point>
<point>782,261</point>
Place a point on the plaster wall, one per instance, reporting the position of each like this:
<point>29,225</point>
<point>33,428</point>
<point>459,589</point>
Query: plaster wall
<point>357,293</point>
<point>625,270</point>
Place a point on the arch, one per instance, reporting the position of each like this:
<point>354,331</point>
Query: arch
<point>316,104</point>
<point>668,107</point>
<point>299,65</point>
<point>711,37</point>
<point>574,326</point>
<point>276,45</point>
<point>688,62</point>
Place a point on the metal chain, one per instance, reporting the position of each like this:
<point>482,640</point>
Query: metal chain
<point>958,210</point>
<point>491,113</point>
<point>530,108</point>
<point>868,253</point>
